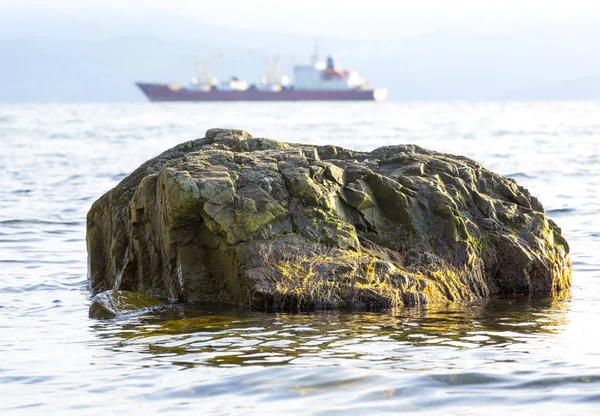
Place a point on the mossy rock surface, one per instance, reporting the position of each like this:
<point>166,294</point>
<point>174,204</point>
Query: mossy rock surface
<point>260,223</point>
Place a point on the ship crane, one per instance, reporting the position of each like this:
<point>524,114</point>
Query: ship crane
<point>208,73</point>
<point>197,80</point>
<point>273,79</point>
<point>276,74</point>
<point>175,85</point>
<point>267,77</point>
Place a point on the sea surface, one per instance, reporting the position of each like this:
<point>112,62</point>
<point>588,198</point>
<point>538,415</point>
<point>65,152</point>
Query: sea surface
<point>528,354</point>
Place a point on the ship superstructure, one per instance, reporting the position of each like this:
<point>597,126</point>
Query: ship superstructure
<point>315,81</point>
<point>319,76</point>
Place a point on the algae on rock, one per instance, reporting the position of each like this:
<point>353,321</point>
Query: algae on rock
<point>112,303</point>
<point>260,223</point>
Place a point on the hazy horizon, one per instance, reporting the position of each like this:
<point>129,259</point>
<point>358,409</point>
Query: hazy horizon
<point>63,51</point>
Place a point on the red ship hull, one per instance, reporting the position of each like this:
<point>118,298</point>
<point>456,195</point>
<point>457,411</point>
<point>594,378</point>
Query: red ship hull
<point>165,92</point>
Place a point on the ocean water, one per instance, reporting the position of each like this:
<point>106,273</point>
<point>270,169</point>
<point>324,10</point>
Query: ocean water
<point>532,354</point>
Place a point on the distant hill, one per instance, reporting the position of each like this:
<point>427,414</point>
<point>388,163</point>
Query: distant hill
<point>60,60</point>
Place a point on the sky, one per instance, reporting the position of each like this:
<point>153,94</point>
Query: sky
<point>367,19</point>
<point>95,50</point>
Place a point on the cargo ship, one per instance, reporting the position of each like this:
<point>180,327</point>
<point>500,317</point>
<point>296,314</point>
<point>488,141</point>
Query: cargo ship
<point>320,81</point>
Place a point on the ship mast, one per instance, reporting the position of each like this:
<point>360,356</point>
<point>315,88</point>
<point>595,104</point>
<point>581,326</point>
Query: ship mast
<point>267,70</point>
<point>315,56</point>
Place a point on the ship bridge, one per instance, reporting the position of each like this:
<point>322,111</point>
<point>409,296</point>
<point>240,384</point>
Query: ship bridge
<point>321,76</point>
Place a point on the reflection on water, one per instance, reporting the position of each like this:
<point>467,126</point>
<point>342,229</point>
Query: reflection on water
<point>205,334</point>
<point>341,362</point>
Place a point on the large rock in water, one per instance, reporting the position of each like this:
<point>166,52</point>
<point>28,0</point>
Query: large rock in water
<point>256,222</point>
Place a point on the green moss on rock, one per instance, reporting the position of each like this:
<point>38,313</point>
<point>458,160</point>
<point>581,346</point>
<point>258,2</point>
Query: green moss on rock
<point>256,222</point>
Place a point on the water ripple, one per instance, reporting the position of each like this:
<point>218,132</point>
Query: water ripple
<point>537,353</point>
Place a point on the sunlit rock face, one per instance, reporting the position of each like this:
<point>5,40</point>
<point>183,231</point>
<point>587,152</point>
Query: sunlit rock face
<point>261,223</point>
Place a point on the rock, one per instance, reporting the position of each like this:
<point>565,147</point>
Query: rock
<point>112,303</point>
<point>260,223</point>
